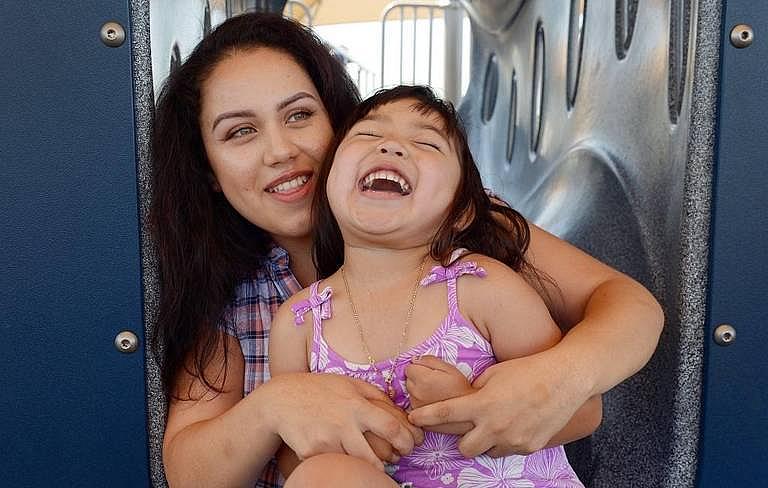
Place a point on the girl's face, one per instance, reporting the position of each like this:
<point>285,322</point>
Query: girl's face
<point>393,177</point>
<point>265,131</point>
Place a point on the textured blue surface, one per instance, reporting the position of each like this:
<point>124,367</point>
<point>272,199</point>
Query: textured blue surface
<point>72,408</point>
<point>735,418</point>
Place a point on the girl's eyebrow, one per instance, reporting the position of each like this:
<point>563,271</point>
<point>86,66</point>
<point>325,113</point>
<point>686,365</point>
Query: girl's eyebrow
<point>249,113</point>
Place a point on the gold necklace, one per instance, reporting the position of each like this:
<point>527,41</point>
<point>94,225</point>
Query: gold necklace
<point>390,376</point>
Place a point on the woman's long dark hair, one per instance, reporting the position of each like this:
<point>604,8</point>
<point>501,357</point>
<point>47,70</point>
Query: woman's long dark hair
<point>474,221</point>
<point>204,246</point>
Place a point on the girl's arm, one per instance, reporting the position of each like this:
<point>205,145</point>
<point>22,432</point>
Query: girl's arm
<point>616,324</point>
<point>225,439</point>
<point>289,349</point>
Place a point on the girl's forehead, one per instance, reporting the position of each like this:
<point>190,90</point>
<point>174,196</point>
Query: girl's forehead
<point>408,109</point>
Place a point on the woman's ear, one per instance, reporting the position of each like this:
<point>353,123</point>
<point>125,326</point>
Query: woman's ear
<point>214,182</point>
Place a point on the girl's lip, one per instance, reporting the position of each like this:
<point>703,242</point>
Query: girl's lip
<point>383,167</point>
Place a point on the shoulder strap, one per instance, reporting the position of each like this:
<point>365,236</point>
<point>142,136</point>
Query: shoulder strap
<point>319,303</point>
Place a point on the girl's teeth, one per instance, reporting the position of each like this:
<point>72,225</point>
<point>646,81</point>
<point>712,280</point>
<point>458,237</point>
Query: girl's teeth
<point>290,184</point>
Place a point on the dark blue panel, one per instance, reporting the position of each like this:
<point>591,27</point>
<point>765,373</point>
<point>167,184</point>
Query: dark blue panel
<point>72,408</point>
<point>734,445</point>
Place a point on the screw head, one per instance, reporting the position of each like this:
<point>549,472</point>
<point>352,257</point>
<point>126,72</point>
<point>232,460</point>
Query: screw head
<point>742,36</point>
<point>724,335</point>
<point>112,34</point>
<point>126,342</point>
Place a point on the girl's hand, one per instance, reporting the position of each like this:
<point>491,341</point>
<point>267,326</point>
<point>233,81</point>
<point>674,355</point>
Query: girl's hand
<point>322,413</point>
<point>430,379</point>
<point>518,406</point>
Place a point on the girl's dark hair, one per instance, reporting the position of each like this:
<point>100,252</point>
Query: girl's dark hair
<point>474,221</point>
<point>204,246</point>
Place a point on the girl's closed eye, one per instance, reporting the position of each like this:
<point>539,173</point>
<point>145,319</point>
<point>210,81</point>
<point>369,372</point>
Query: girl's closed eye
<point>366,133</point>
<point>429,144</point>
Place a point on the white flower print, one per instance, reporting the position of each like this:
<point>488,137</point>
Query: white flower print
<point>446,346</point>
<point>498,473</point>
<point>551,467</point>
<point>438,454</point>
<point>447,478</point>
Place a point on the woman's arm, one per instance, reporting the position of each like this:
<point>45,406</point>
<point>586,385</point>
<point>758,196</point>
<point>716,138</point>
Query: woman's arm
<point>616,324</point>
<point>225,440</point>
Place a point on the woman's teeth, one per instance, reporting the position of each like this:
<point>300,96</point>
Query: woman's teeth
<point>374,182</point>
<point>289,185</point>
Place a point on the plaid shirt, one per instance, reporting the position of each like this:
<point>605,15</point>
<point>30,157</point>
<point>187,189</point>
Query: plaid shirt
<point>256,302</point>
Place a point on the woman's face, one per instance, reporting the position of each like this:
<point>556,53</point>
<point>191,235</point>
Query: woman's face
<point>394,177</point>
<point>266,132</point>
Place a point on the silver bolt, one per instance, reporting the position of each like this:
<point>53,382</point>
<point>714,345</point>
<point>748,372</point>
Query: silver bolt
<point>126,341</point>
<point>724,335</point>
<point>742,36</point>
<point>112,34</point>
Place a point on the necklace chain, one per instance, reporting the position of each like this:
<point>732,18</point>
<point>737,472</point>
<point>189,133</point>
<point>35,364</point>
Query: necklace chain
<point>389,377</point>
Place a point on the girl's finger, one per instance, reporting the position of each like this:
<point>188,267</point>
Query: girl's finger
<point>433,362</point>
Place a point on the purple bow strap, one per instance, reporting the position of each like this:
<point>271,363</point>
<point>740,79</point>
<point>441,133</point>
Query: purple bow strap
<point>317,302</point>
<point>453,271</point>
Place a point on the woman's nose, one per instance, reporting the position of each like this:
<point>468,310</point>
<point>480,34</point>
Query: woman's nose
<point>392,147</point>
<point>279,148</point>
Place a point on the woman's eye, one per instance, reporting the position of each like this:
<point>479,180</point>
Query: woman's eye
<point>242,131</point>
<point>366,134</point>
<point>299,116</point>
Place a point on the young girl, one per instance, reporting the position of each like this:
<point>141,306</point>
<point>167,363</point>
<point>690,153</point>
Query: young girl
<point>428,277</point>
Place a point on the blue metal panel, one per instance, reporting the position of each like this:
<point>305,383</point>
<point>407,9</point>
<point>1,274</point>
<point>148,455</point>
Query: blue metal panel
<point>72,408</point>
<point>735,418</point>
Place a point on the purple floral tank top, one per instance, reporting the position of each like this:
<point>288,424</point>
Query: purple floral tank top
<point>437,462</point>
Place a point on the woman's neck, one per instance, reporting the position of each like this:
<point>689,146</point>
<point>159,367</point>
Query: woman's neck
<point>300,253</point>
<point>372,267</point>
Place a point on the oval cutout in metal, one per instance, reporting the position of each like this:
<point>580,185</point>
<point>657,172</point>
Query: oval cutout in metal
<point>490,88</point>
<point>575,49</point>
<point>512,122</point>
<point>626,15</point>
<point>679,34</point>
<point>537,89</point>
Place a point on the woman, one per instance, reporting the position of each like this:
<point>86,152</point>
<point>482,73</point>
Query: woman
<point>240,132</point>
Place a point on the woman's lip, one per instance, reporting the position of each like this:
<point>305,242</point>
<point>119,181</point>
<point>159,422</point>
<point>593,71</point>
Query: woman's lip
<point>288,177</point>
<point>295,194</point>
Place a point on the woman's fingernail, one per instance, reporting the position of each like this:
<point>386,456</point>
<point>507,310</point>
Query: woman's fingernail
<point>395,458</point>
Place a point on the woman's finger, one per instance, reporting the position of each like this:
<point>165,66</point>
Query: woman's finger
<point>355,445</point>
<point>459,409</point>
<point>387,426</point>
<point>474,443</point>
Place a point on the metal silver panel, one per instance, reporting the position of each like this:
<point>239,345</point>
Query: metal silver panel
<point>601,94</point>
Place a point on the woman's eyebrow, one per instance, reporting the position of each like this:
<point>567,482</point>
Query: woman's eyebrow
<point>293,98</point>
<point>231,115</point>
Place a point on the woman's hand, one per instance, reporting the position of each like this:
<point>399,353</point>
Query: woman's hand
<point>430,379</point>
<point>518,406</point>
<point>322,413</point>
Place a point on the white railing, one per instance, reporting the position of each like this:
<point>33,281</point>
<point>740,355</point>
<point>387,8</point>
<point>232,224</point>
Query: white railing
<point>451,13</point>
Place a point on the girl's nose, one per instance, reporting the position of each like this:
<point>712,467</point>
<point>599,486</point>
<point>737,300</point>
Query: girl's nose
<point>392,147</point>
